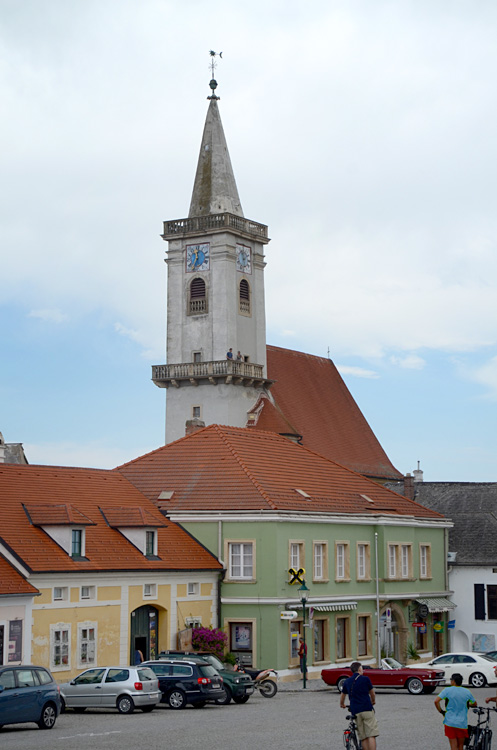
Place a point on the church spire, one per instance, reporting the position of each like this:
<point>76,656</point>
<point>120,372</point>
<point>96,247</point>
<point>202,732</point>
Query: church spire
<point>215,190</point>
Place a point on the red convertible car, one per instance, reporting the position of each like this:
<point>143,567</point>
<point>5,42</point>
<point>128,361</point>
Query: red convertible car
<point>391,675</point>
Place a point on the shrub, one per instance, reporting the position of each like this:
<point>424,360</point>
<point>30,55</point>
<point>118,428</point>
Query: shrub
<point>210,639</point>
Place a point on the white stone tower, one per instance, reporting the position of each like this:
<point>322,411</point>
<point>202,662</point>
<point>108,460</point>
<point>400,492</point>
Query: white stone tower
<point>215,298</point>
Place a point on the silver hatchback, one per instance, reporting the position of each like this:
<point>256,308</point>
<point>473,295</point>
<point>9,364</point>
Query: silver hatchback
<point>123,688</point>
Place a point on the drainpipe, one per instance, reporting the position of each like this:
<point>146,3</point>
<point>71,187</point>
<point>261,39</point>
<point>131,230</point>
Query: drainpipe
<point>378,645</point>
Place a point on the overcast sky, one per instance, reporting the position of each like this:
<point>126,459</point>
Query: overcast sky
<point>362,132</point>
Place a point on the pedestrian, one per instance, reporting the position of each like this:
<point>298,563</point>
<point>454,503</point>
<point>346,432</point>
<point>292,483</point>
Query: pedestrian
<point>359,688</point>
<point>302,653</point>
<point>457,700</point>
<point>494,699</point>
<point>239,356</point>
<point>229,354</point>
<point>138,656</point>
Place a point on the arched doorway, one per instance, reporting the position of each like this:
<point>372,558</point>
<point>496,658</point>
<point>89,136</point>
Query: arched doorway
<point>393,633</point>
<point>144,632</point>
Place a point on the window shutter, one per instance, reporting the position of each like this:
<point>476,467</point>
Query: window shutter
<point>479,601</point>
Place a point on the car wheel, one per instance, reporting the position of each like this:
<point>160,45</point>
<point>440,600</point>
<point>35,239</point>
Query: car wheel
<point>241,698</point>
<point>79,709</point>
<point>62,706</point>
<point>340,684</point>
<point>268,688</point>
<point>48,716</point>
<point>429,690</point>
<point>414,685</point>
<point>227,697</point>
<point>125,704</point>
<point>199,704</point>
<point>477,679</point>
<point>147,709</point>
<point>177,699</point>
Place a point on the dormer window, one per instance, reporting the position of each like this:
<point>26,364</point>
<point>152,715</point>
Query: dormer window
<point>150,543</point>
<point>77,549</point>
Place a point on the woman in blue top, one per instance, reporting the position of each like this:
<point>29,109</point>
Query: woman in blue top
<point>457,701</point>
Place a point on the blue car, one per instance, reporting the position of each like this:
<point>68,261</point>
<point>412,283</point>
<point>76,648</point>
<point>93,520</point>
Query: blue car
<point>28,694</point>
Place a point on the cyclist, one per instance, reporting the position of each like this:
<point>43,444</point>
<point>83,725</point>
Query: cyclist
<point>359,688</point>
<point>457,700</point>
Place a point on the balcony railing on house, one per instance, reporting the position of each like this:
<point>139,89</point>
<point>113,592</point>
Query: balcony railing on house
<point>215,223</point>
<point>216,371</point>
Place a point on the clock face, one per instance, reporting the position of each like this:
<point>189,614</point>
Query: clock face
<point>197,257</point>
<point>243,259</point>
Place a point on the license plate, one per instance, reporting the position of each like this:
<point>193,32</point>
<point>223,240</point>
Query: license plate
<point>249,691</point>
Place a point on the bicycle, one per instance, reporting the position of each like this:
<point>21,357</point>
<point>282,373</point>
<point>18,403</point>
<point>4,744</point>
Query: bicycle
<point>350,738</point>
<point>480,734</point>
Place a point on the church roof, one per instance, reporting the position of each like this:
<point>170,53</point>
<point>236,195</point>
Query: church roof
<point>238,469</point>
<point>214,190</point>
<point>311,400</point>
<point>90,492</point>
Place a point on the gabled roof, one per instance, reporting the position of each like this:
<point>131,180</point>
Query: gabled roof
<point>472,506</point>
<point>56,515</point>
<point>311,400</point>
<point>238,469</point>
<point>127,518</point>
<point>12,583</point>
<point>87,491</point>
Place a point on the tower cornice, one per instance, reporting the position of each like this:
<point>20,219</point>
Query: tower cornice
<point>213,223</point>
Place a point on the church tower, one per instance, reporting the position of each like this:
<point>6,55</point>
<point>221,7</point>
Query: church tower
<point>215,298</point>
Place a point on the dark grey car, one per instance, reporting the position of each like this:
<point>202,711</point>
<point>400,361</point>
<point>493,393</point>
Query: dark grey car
<point>28,693</point>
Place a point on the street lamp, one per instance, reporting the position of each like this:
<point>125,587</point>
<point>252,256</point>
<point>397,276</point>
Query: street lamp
<point>304,595</point>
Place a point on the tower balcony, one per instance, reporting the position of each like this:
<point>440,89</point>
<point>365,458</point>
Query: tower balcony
<point>213,223</point>
<point>215,372</point>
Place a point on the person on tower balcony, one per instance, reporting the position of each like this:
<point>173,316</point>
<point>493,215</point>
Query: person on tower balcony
<point>229,354</point>
<point>239,356</point>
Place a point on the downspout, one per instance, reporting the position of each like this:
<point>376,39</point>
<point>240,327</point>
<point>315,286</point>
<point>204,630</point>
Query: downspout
<point>222,573</point>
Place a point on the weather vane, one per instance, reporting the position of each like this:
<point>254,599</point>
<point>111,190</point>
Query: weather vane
<point>213,66</point>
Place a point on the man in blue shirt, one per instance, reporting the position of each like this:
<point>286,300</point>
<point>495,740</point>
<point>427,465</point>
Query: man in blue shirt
<point>457,701</point>
<point>359,688</point>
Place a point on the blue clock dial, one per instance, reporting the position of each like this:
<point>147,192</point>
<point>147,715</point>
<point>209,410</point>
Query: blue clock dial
<point>197,257</point>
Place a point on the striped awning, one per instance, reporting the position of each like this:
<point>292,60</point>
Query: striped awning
<point>332,607</point>
<point>438,604</point>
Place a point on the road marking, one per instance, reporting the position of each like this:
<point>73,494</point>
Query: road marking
<point>90,734</point>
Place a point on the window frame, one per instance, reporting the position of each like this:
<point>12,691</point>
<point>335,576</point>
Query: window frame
<point>324,577</point>
<point>197,305</point>
<point>60,627</point>
<point>228,549</point>
<point>347,650</point>
<point>92,592</point>
<point>152,591</point>
<point>296,546</point>
<point>64,597</point>
<point>345,565</point>
<point>88,626</point>
<point>367,561</point>
<point>245,303</point>
<point>79,534</point>
<point>196,588</point>
<point>369,642</point>
<point>425,551</point>
<point>151,534</point>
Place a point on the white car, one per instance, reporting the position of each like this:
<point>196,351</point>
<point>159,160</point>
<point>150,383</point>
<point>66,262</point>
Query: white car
<point>476,669</point>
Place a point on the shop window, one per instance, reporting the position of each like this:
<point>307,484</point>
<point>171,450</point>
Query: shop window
<point>342,637</point>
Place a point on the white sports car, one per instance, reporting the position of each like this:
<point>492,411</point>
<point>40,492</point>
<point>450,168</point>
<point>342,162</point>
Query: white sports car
<point>476,669</point>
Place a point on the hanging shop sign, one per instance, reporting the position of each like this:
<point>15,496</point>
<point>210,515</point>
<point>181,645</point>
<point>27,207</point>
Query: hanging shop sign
<point>451,624</point>
<point>418,624</point>
<point>438,626</point>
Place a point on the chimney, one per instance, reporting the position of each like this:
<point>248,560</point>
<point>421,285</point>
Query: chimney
<point>2,449</point>
<point>409,486</point>
<point>418,474</point>
<point>192,425</point>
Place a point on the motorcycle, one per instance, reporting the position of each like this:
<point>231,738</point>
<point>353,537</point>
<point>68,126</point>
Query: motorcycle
<point>264,679</point>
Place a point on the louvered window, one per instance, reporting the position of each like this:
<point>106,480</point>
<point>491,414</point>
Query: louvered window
<point>244,297</point>
<point>198,297</point>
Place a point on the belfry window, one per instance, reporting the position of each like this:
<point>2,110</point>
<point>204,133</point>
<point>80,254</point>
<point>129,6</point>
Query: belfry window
<point>244,297</point>
<point>198,297</point>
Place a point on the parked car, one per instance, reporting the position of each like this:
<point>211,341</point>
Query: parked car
<point>185,681</point>
<point>124,688</point>
<point>476,669</point>
<point>392,675</point>
<point>28,693</point>
<point>238,686</point>
<point>491,655</point>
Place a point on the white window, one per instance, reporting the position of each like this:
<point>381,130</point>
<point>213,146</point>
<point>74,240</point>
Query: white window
<point>196,412</point>
<point>405,555</point>
<point>150,590</point>
<point>60,647</point>
<point>87,644</point>
<point>193,589</point>
<point>87,592</point>
<point>193,622</point>
<point>241,560</point>
<point>60,593</point>
<point>340,565</point>
<point>361,561</point>
<point>318,560</point>
<point>295,555</point>
<point>392,560</point>
<point>424,561</point>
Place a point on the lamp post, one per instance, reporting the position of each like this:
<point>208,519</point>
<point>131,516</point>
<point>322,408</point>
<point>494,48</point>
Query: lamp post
<point>304,593</point>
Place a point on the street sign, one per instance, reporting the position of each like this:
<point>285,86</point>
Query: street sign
<point>388,615</point>
<point>289,615</point>
<point>418,624</point>
<point>451,624</point>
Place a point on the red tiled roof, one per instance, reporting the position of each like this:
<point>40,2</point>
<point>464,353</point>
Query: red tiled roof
<point>131,517</point>
<point>12,582</point>
<point>87,491</point>
<point>312,400</point>
<point>230,468</point>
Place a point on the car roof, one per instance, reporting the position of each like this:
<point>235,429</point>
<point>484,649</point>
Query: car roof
<point>165,660</point>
